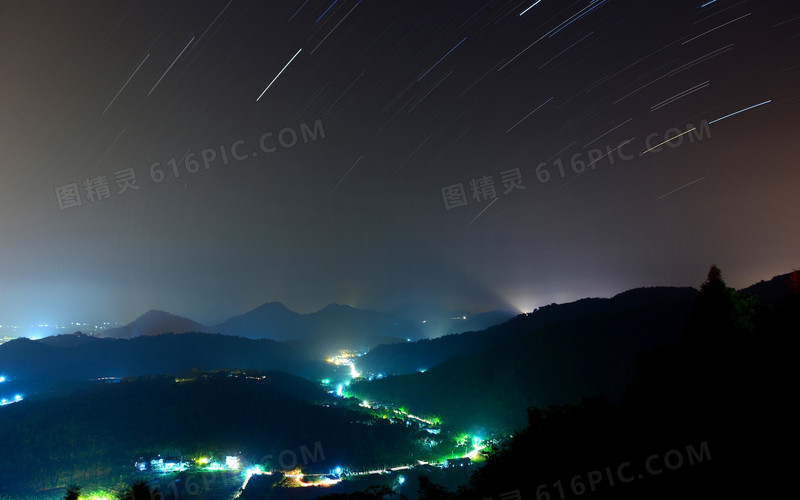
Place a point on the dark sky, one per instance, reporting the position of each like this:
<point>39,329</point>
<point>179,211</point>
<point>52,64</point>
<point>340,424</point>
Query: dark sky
<point>414,98</point>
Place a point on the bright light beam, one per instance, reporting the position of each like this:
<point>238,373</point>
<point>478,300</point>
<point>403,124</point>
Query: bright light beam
<point>740,111</point>
<point>529,8</point>
<point>279,74</point>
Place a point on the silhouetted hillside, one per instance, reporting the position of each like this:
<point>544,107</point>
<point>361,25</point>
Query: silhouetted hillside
<point>773,290</point>
<point>154,323</point>
<point>555,355</point>
<point>424,354</point>
<point>68,339</point>
<point>708,417</point>
<point>150,355</point>
<point>272,320</point>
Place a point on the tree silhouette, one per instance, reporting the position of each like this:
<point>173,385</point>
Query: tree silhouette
<point>141,491</point>
<point>714,282</point>
<point>73,493</point>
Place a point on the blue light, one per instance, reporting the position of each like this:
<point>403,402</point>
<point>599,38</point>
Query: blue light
<point>338,471</point>
<point>2,379</point>
<point>402,480</point>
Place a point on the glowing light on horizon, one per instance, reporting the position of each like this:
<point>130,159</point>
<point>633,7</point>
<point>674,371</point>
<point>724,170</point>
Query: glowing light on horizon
<point>232,462</point>
<point>17,399</point>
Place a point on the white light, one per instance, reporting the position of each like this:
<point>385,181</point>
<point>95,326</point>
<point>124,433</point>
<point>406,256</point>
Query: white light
<point>232,462</point>
<point>276,76</point>
<point>534,5</point>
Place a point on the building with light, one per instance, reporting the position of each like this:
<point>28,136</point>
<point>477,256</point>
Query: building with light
<point>457,462</point>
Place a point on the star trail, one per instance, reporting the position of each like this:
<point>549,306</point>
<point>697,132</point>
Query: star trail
<point>205,158</point>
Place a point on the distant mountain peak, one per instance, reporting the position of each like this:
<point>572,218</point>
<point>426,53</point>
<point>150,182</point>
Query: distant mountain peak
<point>154,322</point>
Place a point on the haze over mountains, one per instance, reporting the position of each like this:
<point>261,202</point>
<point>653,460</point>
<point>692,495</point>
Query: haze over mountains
<point>334,327</point>
<point>480,382</point>
<point>272,337</point>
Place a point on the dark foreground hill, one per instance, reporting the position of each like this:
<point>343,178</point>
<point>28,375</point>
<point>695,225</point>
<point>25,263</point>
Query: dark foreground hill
<point>708,417</point>
<point>774,290</point>
<point>95,436</point>
<point>412,357</point>
<point>555,355</point>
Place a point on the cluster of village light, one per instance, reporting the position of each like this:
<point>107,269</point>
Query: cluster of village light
<point>202,463</point>
<point>9,401</point>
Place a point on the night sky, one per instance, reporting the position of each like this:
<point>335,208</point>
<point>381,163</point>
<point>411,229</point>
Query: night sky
<point>397,157</point>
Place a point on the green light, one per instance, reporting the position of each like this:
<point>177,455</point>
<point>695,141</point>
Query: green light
<point>97,495</point>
